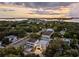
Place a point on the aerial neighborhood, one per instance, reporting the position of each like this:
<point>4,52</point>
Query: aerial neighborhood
<point>35,37</point>
<point>39,29</point>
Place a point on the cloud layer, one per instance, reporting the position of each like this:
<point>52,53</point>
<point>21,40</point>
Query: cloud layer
<point>39,9</point>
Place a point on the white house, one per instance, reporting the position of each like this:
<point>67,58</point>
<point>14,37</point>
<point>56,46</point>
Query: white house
<point>67,41</point>
<point>62,32</point>
<point>1,45</point>
<point>12,38</point>
<point>30,44</point>
<point>47,33</point>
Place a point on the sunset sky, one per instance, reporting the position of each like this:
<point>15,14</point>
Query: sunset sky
<point>39,9</point>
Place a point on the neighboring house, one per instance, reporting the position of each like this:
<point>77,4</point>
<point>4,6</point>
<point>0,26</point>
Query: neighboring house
<point>47,33</point>
<point>62,32</point>
<point>12,38</point>
<point>1,45</point>
<point>30,44</point>
<point>67,41</point>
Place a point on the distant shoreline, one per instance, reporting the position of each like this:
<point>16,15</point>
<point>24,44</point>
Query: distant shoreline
<point>45,19</point>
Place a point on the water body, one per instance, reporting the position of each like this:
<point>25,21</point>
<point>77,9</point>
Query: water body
<point>73,20</point>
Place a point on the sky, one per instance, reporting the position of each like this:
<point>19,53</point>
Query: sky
<point>39,9</point>
<point>39,4</point>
